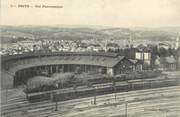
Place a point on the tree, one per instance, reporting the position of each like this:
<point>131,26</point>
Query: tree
<point>78,70</point>
<point>163,52</point>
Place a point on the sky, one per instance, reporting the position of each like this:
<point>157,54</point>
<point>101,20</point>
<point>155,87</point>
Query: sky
<point>118,13</point>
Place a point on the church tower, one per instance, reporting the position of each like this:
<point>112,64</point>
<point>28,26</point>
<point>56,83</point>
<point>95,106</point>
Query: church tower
<point>131,39</point>
<point>177,43</point>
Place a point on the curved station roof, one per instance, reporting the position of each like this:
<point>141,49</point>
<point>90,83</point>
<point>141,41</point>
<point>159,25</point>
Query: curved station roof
<point>41,54</point>
<point>79,58</point>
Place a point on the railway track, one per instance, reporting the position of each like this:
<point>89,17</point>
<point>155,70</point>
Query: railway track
<point>161,103</point>
<point>42,109</point>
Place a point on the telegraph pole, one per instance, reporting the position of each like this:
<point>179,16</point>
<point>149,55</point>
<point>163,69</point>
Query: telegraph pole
<point>126,111</point>
<point>115,94</point>
<point>56,109</point>
<point>95,96</point>
<point>6,94</point>
<point>114,86</point>
<point>56,101</point>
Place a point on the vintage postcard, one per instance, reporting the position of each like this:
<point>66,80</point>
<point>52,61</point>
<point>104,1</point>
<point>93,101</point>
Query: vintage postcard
<point>90,58</point>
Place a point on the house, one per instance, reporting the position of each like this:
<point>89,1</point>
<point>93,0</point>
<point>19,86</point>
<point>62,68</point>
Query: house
<point>94,47</point>
<point>163,45</point>
<point>137,64</point>
<point>127,65</point>
<point>166,63</point>
<point>144,56</point>
<point>178,63</point>
<point>112,46</point>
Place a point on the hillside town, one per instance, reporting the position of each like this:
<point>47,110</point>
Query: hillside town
<point>162,56</point>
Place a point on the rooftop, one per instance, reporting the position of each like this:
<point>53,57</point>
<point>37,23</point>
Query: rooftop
<point>169,59</point>
<point>41,54</point>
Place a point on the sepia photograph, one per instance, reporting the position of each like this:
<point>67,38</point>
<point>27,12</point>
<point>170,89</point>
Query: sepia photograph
<point>90,58</point>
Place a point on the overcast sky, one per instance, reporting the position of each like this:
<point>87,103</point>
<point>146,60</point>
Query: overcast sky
<point>119,13</point>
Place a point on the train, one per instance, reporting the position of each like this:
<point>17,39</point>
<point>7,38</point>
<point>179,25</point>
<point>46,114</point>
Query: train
<point>70,79</point>
<point>101,89</point>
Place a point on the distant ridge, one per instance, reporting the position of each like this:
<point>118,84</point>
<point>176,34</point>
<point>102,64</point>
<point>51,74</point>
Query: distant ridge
<point>78,32</point>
